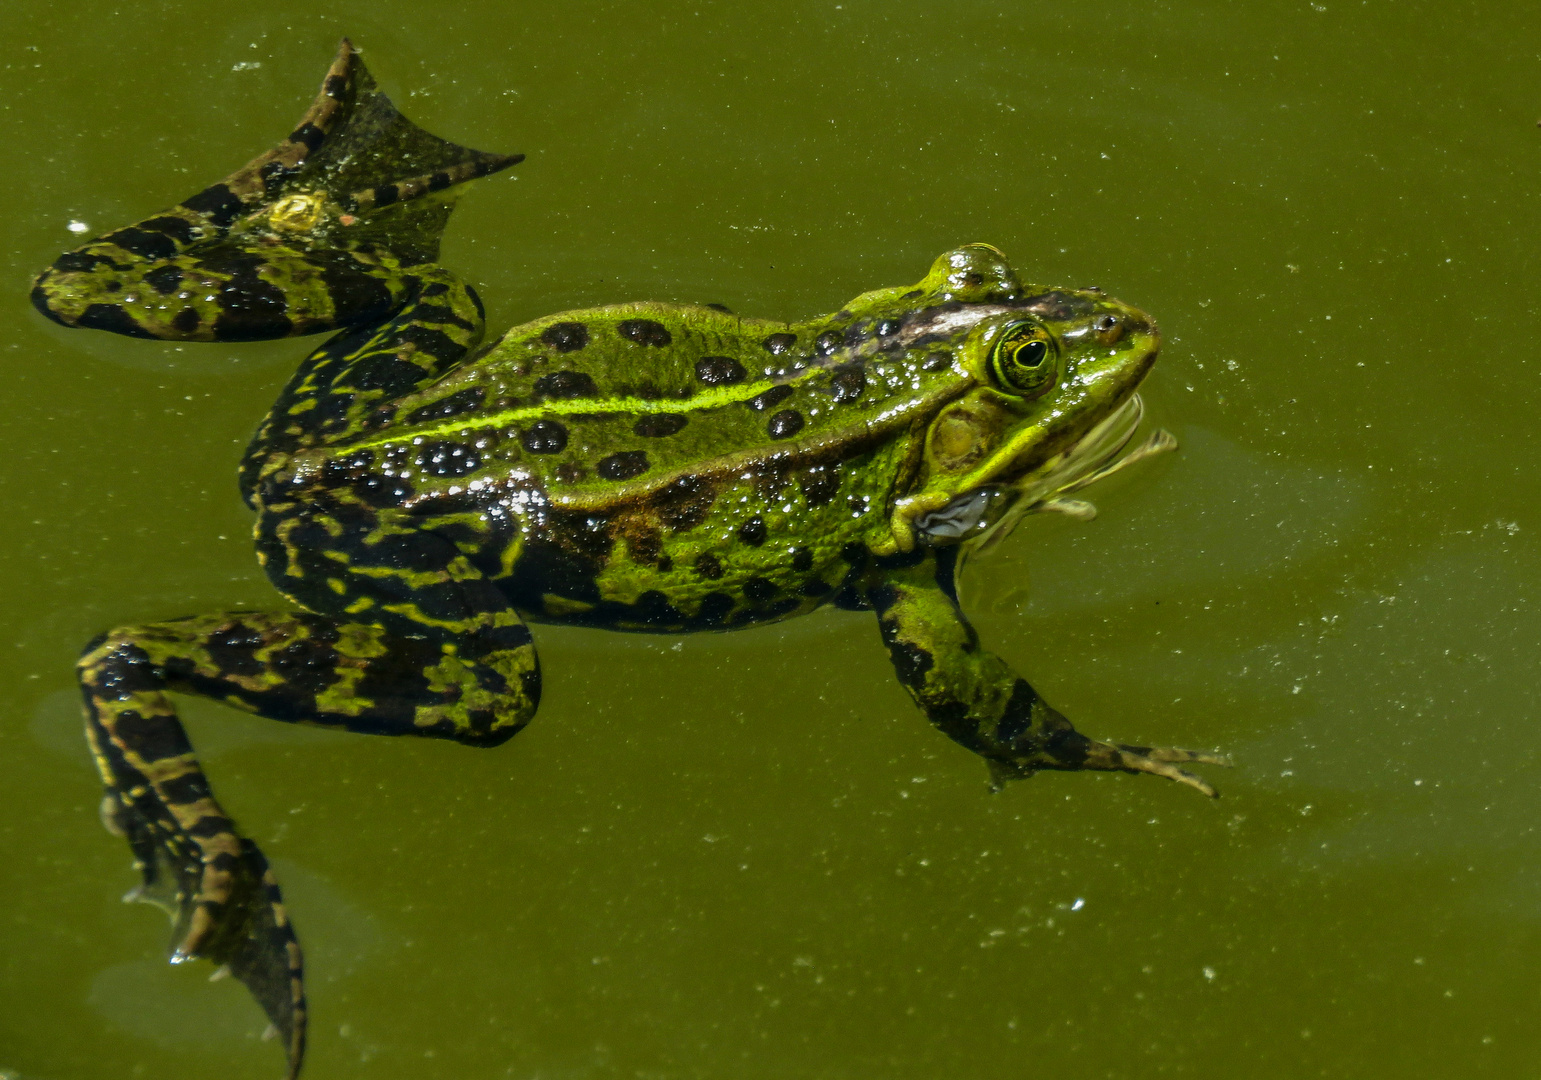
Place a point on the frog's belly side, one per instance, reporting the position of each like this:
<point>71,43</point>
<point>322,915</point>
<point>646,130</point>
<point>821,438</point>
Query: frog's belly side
<point>743,559</point>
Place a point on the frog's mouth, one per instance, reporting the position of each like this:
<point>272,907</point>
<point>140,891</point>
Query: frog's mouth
<point>985,516</point>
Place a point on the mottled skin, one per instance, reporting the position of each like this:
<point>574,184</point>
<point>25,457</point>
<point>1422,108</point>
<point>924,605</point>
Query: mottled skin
<point>654,467</point>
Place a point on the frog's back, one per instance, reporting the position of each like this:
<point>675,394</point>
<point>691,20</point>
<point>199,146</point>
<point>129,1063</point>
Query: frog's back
<point>660,466</point>
<point>606,405</point>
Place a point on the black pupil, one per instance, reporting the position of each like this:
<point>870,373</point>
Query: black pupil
<point>1030,354</point>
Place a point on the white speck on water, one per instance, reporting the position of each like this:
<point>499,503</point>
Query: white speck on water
<point>1209,974</point>
<point>247,65</point>
<point>1078,905</point>
<point>78,227</point>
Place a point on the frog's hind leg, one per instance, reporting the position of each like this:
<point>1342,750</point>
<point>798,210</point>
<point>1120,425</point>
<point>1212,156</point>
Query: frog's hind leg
<point>309,236</point>
<point>224,902</point>
<point>344,386</point>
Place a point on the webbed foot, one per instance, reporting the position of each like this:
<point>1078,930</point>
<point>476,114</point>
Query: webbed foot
<point>225,906</point>
<point>1068,749</point>
<point>355,191</point>
<point>1160,761</point>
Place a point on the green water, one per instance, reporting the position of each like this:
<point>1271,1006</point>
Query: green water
<point>748,856</point>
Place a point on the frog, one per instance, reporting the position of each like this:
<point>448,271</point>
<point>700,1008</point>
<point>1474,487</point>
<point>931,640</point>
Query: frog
<point>421,499</point>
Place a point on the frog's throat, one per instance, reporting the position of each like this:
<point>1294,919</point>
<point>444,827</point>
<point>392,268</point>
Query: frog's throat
<point>986,513</point>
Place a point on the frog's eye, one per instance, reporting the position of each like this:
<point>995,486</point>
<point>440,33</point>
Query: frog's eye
<point>1023,360</point>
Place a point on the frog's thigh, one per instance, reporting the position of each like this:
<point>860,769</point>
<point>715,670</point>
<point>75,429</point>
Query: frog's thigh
<point>293,667</point>
<point>309,669</point>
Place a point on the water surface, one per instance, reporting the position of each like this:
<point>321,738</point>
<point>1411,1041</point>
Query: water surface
<point>747,857</point>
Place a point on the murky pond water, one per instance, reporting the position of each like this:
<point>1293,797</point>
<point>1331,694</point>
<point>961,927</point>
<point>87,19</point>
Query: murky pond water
<point>748,856</point>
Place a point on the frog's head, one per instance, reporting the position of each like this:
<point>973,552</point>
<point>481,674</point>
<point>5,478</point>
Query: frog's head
<point>1049,371</point>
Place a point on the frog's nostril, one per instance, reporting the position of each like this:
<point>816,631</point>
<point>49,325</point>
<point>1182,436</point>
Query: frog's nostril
<point>1106,323</point>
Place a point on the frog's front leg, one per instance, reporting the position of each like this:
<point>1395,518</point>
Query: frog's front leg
<point>224,903</point>
<point>974,696</point>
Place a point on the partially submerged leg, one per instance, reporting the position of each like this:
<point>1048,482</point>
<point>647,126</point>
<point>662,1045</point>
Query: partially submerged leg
<point>224,903</point>
<point>309,236</point>
<point>975,697</point>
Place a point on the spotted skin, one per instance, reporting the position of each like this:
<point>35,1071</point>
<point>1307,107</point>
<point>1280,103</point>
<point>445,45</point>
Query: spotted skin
<point>655,467</point>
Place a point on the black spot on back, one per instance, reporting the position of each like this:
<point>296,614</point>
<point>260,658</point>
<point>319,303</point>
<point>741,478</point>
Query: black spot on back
<point>769,399</point>
<point>623,465</point>
<point>566,384</point>
<point>777,344</point>
<point>752,532</point>
<point>657,425</point>
<point>645,332</point>
<point>719,370</point>
<point>827,343</point>
<point>544,437</point>
<point>566,336</point>
<point>848,382</point>
<point>785,424</point>
<point>709,566</point>
<point>722,308</point>
<point>802,559</point>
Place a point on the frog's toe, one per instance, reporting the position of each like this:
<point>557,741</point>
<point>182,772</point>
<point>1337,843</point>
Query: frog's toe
<point>1161,761</point>
<point>1174,753</point>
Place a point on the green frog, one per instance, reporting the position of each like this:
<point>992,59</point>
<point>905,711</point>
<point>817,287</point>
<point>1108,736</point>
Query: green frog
<point>421,498</point>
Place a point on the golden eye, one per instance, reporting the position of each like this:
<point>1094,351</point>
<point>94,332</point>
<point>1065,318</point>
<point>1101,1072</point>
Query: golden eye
<point>1023,360</point>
